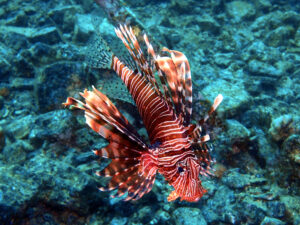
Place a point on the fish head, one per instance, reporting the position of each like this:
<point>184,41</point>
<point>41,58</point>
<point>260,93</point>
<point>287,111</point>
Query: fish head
<point>187,183</point>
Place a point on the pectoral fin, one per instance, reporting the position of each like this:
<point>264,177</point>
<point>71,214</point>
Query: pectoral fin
<point>172,196</point>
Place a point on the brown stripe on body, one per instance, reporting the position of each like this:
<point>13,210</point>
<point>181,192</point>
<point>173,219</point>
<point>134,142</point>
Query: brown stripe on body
<point>130,41</point>
<point>145,97</point>
<point>167,66</point>
<point>168,163</point>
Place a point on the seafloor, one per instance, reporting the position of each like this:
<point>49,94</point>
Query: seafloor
<point>247,50</point>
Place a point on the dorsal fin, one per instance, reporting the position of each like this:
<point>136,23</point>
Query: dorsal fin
<point>184,81</point>
<point>131,43</point>
<point>168,69</point>
<point>176,70</point>
<point>154,67</point>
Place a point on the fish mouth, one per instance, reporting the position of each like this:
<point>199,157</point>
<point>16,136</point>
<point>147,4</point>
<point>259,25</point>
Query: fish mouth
<point>174,195</point>
<point>187,184</point>
<point>187,189</point>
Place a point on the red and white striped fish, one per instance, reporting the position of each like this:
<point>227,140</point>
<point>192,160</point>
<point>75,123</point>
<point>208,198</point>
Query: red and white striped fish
<point>176,150</point>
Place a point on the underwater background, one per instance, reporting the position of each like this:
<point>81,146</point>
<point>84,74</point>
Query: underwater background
<point>249,51</point>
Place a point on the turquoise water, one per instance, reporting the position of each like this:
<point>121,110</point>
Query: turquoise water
<point>248,51</point>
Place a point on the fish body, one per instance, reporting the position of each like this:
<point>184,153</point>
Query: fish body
<point>176,150</point>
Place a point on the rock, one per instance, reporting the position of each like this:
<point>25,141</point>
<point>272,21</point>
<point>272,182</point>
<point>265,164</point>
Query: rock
<point>16,41</point>
<point>60,183</point>
<point>235,97</point>
<point>237,130</point>
<point>237,136</point>
<point>118,221</point>
<point>219,170</point>
<point>282,127</point>
<point>2,12</point>
<point>275,19</point>
<point>233,179</point>
<point>17,151</point>
<point>69,52</point>
<point>266,196</point>
<point>52,126</point>
<point>267,152</point>
<point>286,90</point>
<point>183,6</point>
<point>20,19</point>
<point>256,117</point>
<point>254,213</point>
<point>208,23</point>
<point>228,42</point>
<point>262,84</point>
<point>291,146</point>
<point>207,71</point>
<point>107,30</point>
<point>297,37</point>
<point>83,158</point>
<point>5,68</point>
<point>1,102</point>
<point>85,138</point>
<point>48,35</point>
<point>257,50</point>
<point>260,22</point>
<point>223,60</point>
<point>162,217</point>
<point>271,221</point>
<point>83,27</point>
<point>285,66</point>
<point>240,10</point>
<point>24,103</point>
<point>2,139</point>
<point>15,191</point>
<point>280,36</point>
<point>297,220</point>
<point>258,68</point>
<point>292,203</point>
<point>59,78</point>
<point>276,209</point>
<point>22,84</point>
<point>19,129</point>
<point>264,5</point>
<point>24,67</point>
<point>211,216</point>
<point>291,17</point>
<point>232,217</point>
<point>63,16</point>
<point>145,214</point>
<point>188,216</point>
<point>42,54</point>
<point>226,207</point>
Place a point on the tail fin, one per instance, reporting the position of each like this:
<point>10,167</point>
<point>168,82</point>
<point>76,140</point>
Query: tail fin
<point>133,166</point>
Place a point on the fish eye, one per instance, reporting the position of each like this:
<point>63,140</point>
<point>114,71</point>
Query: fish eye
<point>180,169</point>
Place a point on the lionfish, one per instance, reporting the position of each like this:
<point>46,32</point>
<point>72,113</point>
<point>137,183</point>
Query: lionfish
<point>161,87</point>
